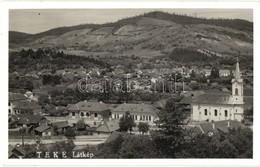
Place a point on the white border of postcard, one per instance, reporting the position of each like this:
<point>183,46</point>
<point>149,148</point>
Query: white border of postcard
<point>5,6</point>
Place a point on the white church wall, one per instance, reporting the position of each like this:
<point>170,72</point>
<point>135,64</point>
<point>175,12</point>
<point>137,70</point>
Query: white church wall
<point>223,112</point>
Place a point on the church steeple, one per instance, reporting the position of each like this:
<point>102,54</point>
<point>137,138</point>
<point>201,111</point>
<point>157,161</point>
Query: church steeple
<point>237,86</point>
<point>237,72</point>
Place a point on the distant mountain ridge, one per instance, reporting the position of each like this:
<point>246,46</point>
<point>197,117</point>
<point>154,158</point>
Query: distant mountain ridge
<point>154,32</point>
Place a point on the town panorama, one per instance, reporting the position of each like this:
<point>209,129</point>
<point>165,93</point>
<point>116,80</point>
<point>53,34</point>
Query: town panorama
<point>155,85</point>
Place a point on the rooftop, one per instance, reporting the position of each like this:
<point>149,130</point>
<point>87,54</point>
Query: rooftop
<point>88,106</point>
<point>136,108</point>
<point>26,105</point>
<point>29,119</point>
<point>220,125</point>
<point>42,128</point>
<point>108,126</point>
<point>16,96</point>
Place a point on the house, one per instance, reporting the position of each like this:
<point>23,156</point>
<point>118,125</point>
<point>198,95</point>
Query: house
<point>139,112</point>
<point>14,98</point>
<point>209,128</point>
<point>32,74</point>
<point>91,112</point>
<point>59,127</point>
<point>207,72</point>
<point>28,120</point>
<point>16,152</point>
<point>224,73</point>
<point>27,107</point>
<point>108,127</point>
<point>218,107</point>
<point>43,130</point>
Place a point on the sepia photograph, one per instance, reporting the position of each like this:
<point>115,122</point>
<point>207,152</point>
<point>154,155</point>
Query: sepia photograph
<point>137,83</point>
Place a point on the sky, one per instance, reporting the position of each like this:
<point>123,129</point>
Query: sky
<point>33,21</point>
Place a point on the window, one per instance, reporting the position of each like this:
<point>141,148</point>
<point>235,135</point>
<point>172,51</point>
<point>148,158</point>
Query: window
<point>9,104</point>
<point>82,114</point>
<point>135,117</point>
<point>141,117</point>
<point>110,113</point>
<point>226,114</point>
<point>216,112</point>
<point>236,91</point>
<point>146,118</point>
<point>73,113</point>
<point>95,115</point>
<point>87,114</point>
<point>206,112</point>
<point>9,111</point>
<point>150,118</point>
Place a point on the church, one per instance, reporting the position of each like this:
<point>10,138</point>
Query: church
<point>218,107</point>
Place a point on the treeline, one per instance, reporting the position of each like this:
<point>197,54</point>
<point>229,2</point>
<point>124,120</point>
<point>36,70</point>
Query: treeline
<point>187,55</point>
<point>29,60</point>
<point>238,24</point>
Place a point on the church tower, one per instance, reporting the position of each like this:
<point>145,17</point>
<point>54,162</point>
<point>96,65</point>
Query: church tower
<point>237,86</point>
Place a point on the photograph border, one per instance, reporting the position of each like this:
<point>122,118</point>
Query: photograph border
<point>5,6</point>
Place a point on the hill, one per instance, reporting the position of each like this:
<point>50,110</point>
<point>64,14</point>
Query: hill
<point>148,35</point>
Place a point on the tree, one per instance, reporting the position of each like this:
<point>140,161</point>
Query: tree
<point>70,133</point>
<point>138,147</point>
<point>81,125</point>
<point>214,73</point>
<point>143,127</point>
<point>63,146</point>
<point>126,123</point>
<point>28,85</point>
<point>193,74</point>
<point>169,139</point>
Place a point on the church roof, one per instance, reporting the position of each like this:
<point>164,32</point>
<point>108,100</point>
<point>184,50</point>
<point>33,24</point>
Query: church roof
<point>237,72</point>
<point>213,99</point>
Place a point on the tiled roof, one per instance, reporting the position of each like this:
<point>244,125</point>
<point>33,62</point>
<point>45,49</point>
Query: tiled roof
<point>213,99</point>
<point>20,149</point>
<point>42,128</point>
<point>88,106</point>
<point>160,104</point>
<point>220,125</point>
<point>29,119</point>
<point>108,126</point>
<point>136,108</point>
<point>114,136</point>
<point>26,105</point>
<point>186,100</point>
<point>16,96</point>
<point>216,91</point>
<point>60,124</point>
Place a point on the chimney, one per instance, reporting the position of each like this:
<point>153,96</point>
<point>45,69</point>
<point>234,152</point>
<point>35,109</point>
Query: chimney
<point>213,126</point>
<point>228,124</point>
